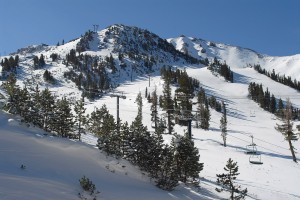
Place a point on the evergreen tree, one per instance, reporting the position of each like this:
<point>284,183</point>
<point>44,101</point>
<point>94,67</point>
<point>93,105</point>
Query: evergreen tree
<point>139,101</point>
<point>186,157</point>
<point>35,111</point>
<point>24,104</point>
<point>287,128</point>
<point>155,150</point>
<point>167,175</point>
<point>12,90</point>
<point>141,143</point>
<point>62,122</point>
<point>42,61</point>
<point>168,104</point>
<point>48,77</point>
<point>273,104</point>
<point>154,106</point>
<point>146,92</point>
<point>223,124</point>
<point>227,181</point>
<point>108,138</point>
<point>79,115</point>
<point>280,110</point>
<point>204,116</point>
<point>47,109</point>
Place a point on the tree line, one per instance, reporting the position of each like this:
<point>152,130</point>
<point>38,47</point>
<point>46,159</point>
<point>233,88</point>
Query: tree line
<point>9,65</point>
<point>276,77</point>
<point>222,69</point>
<point>43,109</point>
<point>268,101</point>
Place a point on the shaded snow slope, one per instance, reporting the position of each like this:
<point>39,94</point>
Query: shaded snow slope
<point>54,166</point>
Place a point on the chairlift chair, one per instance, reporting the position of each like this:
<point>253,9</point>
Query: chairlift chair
<point>255,159</point>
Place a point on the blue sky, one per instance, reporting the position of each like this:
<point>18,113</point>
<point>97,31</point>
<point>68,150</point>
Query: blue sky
<point>268,26</point>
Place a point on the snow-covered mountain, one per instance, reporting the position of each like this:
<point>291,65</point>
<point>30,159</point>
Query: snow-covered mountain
<point>136,54</point>
<point>237,57</point>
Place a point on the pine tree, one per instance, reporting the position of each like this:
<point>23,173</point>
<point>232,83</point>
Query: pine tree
<point>223,124</point>
<point>41,61</point>
<point>280,110</point>
<point>168,104</point>
<point>24,104</point>
<point>273,104</point>
<point>186,157</point>
<point>204,116</point>
<point>287,128</point>
<point>139,101</point>
<point>167,175</point>
<point>63,118</point>
<point>35,111</point>
<point>47,110</point>
<point>227,181</point>
<point>154,107</point>
<point>108,138</point>
<point>79,117</point>
<point>12,90</point>
<point>36,62</point>
<point>155,150</point>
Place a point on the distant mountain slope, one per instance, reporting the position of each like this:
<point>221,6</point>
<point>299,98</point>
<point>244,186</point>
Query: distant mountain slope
<point>237,57</point>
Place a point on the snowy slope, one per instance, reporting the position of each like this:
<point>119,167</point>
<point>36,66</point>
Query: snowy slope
<point>54,166</point>
<point>237,57</point>
<point>45,156</point>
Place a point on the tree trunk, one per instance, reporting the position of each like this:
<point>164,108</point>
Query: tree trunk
<point>292,151</point>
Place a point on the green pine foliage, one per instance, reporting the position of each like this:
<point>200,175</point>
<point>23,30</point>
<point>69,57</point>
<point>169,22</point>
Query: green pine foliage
<point>167,178</point>
<point>47,110</point>
<point>62,119</point>
<point>39,62</point>
<point>139,102</point>
<point>9,65</point>
<point>186,158</point>
<point>12,89</point>
<point>227,181</point>
<point>80,118</point>
<point>222,69</point>
<point>276,77</point>
<point>168,104</point>
<point>87,185</point>
<point>154,109</point>
<point>268,101</point>
<point>48,77</point>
